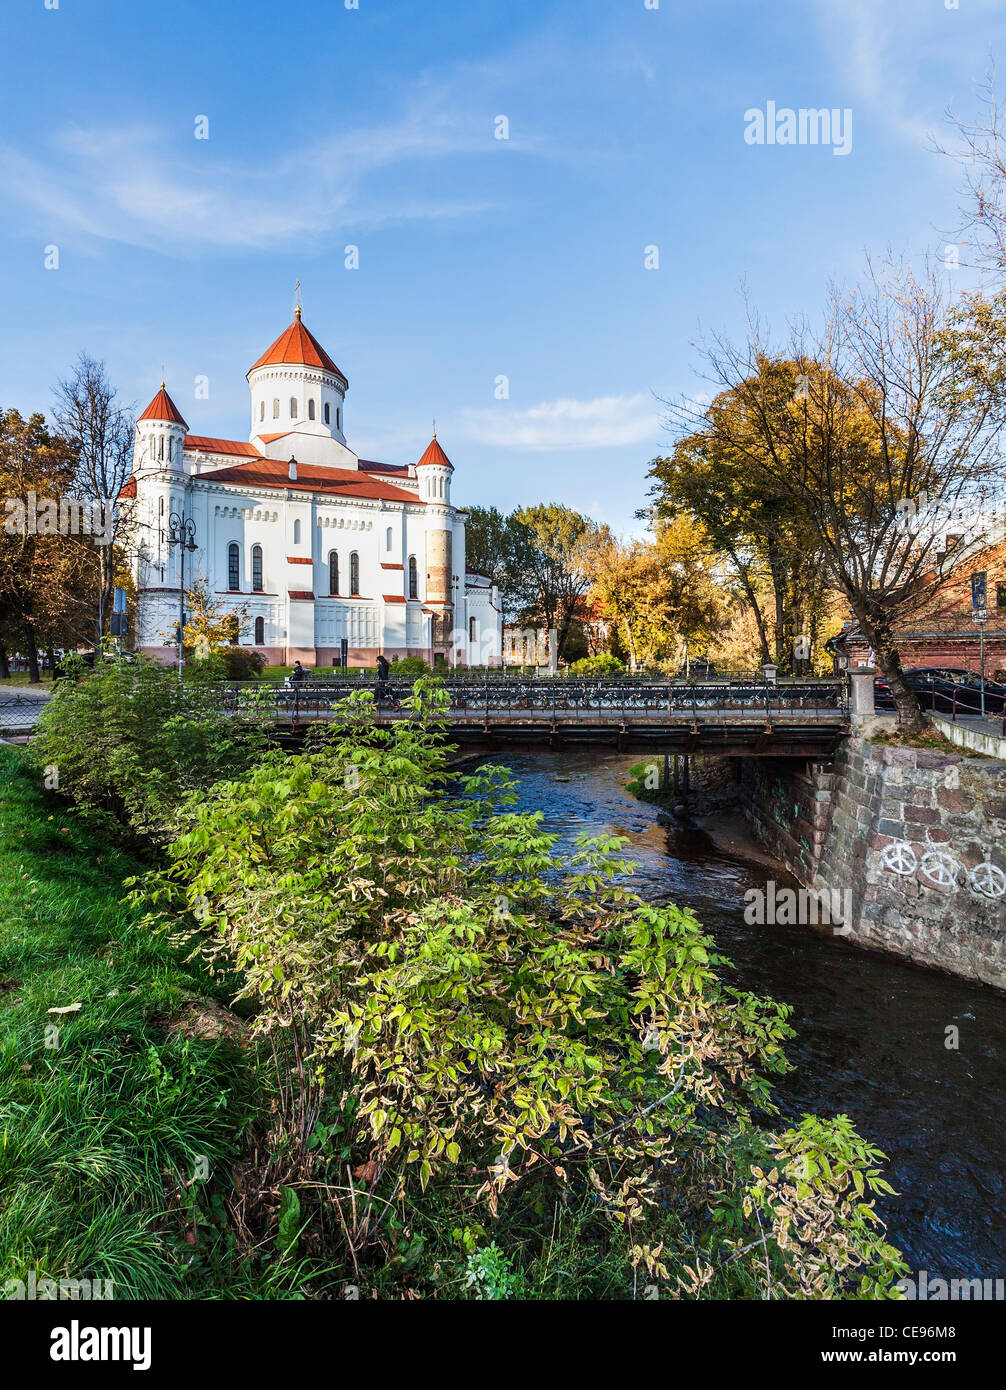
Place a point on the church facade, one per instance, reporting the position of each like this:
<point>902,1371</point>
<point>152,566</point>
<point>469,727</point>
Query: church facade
<point>313,546</point>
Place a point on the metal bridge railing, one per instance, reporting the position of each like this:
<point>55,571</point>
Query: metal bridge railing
<point>569,698</point>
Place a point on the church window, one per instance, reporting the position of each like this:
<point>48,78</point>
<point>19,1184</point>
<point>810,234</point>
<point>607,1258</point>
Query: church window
<point>160,447</point>
<point>471,629</point>
<point>233,566</point>
<point>413,578</point>
<point>257,568</point>
<point>338,417</point>
<point>170,442</point>
<point>261,410</point>
<point>354,574</point>
<point>160,507</point>
<point>328,413</point>
<point>260,632</point>
<point>293,407</point>
<point>333,571</point>
<point>275,407</point>
<point>310,409</point>
<point>296,532</point>
<point>388,539</point>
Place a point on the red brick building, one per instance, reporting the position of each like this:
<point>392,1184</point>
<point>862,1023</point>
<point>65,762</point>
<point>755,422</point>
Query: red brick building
<point>942,631</point>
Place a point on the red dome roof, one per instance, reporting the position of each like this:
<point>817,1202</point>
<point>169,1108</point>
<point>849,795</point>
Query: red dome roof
<point>162,407</point>
<point>297,346</point>
<point>434,454</point>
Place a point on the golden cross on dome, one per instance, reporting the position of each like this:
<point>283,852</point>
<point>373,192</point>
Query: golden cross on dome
<point>296,299</point>
<point>434,429</point>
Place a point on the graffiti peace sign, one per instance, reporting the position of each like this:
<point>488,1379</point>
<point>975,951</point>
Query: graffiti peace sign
<point>899,857</point>
<point>988,880</point>
<point>941,869</point>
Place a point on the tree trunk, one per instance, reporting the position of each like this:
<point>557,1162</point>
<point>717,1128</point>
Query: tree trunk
<point>31,647</point>
<point>878,631</point>
<point>4,664</point>
<point>755,607</point>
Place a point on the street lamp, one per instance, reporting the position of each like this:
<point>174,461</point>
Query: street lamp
<point>181,532</point>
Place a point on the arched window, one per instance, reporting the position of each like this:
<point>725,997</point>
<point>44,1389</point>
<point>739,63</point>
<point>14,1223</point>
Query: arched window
<point>296,532</point>
<point>260,632</point>
<point>328,413</point>
<point>471,629</point>
<point>338,417</point>
<point>160,508</point>
<point>257,568</point>
<point>275,407</point>
<point>293,407</point>
<point>170,442</point>
<point>388,538</point>
<point>310,409</point>
<point>261,410</point>
<point>233,566</point>
<point>354,573</point>
<point>333,571</point>
<point>160,447</point>
<point>413,578</point>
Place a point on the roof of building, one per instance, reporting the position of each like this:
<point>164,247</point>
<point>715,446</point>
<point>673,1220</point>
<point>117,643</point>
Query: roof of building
<point>373,467</point>
<point>162,407</point>
<point>434,454</point>
<point>128,488</point>
<point>220,446</point>
<point>297,346</point>
<point>340,482</point>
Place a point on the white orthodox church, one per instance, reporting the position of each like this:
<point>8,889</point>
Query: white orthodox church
<point>311,544</point>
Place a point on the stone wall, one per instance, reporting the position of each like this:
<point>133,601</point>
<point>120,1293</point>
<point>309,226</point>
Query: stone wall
<point>918,838</point>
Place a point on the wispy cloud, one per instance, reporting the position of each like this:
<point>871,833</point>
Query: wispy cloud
<point>887,53</point>
<point>135,186</point>
<point>602,423</point>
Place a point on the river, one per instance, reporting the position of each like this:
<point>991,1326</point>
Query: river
<point>870,1030</point>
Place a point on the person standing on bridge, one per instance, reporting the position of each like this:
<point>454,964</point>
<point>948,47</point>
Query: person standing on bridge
<point>383,690</point>
<point>298,675</point>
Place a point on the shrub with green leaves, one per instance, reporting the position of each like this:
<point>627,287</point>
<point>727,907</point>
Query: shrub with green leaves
<point>131,740</point>
<point>604,664</point>
<point>471,1009</point>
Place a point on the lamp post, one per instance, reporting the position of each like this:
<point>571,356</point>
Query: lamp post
<point>181,532</point>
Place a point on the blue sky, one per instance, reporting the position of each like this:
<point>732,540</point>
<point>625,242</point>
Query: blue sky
<point>478,257</point>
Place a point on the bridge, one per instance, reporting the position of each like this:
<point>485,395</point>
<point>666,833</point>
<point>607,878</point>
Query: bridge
<point>795,719</point>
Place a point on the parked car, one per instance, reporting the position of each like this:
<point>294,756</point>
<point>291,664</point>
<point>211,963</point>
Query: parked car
<point>946,689</point>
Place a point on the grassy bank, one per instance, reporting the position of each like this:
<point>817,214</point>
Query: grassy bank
<point>108,1113</point>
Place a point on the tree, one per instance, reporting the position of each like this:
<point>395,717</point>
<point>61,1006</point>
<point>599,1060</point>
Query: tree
<point>658,593</point>
<point>557,558</point>
<point>756,527</point>
<point>100,433</point>
<point>499,546</point>
<point>211,626</point>
<point>46,570</point>
<point>864,427</point>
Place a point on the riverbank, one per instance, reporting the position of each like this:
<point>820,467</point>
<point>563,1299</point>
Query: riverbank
<point>116,1125</point>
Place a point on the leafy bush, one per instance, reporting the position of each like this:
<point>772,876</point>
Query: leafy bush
<point>131,740</point>
<point>604,664</point>
<point>446,996</point>
<point>409,666</point>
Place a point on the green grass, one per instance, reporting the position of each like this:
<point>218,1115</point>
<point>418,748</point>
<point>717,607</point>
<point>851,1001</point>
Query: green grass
<point>104,1118</point>
<point>21,678</point>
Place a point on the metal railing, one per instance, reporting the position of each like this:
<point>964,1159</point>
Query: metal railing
<point>569,698</point>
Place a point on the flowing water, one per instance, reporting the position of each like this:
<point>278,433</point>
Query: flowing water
<point>870,1030</point>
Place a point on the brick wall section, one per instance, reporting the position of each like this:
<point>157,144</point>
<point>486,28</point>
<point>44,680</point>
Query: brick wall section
<point>830,823</point>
